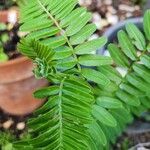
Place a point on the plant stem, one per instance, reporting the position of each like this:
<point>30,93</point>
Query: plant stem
<point>131,66</point>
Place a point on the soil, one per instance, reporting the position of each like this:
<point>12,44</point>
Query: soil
<point>136,135</point>
<point>109,12</point>
<point>14,124</point>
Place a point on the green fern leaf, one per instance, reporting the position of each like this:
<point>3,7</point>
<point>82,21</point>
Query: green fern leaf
<point>94,60</point>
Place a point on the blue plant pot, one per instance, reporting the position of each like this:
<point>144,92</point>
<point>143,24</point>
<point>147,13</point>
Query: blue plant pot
<point>111,32</point>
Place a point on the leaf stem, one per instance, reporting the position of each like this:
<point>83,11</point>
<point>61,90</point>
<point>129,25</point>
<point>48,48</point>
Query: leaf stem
<point>131,67</point>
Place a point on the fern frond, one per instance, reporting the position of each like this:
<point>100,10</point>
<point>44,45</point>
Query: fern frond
<point>62,25</point>
<point>58,34</point>
<point>60,122</point>
<point>132,91</point>
<point>74,117</point>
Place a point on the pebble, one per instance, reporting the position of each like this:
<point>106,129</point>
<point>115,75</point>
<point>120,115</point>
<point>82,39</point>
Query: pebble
<point>104,23</point>
<point>20,125</point>
<point>108,2</point>
<point>85,2</point>
<point>8,124</point>
<point>111,10</point>
<point>128,14</point>
<point>97,19</point>
<point>112,19</point>
<point>12,16</point>
<point>126,8</point>
<point>21,34</point>
<point>94,36</point>
<point>122,71</point>
<point>139,53</point>
<point>142,148</point>
<point>106,53</point>
<point>137,7</point>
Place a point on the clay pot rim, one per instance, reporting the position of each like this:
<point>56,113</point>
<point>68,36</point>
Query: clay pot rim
<point>14,61</point>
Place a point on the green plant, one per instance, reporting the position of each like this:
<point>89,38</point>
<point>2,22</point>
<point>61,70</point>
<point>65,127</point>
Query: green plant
<point>5,4</point>
<point>139,2</point>
<point>6,140</point>
<point>4,37</point>
<point>87,107</point>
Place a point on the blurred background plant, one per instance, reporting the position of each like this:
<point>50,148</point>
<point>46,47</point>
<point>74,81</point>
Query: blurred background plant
<point>4,37</point>
<point>8,40</point>
<point>5,4</point>
<point>6,139</point>
<point>139,2</point>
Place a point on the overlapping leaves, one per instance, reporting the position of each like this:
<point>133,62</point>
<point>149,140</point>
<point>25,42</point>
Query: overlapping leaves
<point>129,94</point>
<point>57,41</point>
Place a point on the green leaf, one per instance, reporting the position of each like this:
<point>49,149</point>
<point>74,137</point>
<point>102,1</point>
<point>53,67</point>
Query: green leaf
<point>111,73</point>
<point>76,26</point>
<point>3,26</point>
<point>97,134</point>
<point>109,102</point>
<point>142,71</point>
<point>3,57</point>
<point>103,116</point>
<point>67,63</point>
<point>127,98</point>
<point>54,42</point>
<point>94,60</point>
<point>145,60</point>
<point>146,23</point>
<point>44,33</point>
<point>65,12</point>
<point>138,82</point>
<point>90,46</point>
<point>127,45</point>
<point>83,34</point>
<point>62,52</point>
<point>25,47</point>
<point>48,91</point>
<point>109,89</point>
<point>72,16</point>
<point>131,89</point>
<point>118,56</point>
<point>32,25</point>
<point>95,76</point>
<point>136,35</point>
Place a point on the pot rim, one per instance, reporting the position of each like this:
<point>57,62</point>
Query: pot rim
<point>14,61</point>
<point>115,28</point>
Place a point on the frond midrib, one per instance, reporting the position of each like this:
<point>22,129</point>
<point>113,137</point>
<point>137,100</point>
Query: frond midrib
<point>60,112</point>
<point>62,32</point>
<point>131,67</point>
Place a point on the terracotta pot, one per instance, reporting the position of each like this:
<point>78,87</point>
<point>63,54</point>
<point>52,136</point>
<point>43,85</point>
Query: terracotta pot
<point>10,15</point>
<point>111,33</point>
<point>4,16</point>
<point>17,83</point>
